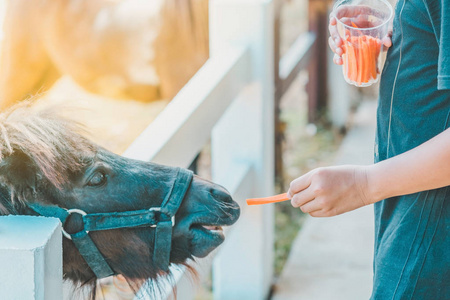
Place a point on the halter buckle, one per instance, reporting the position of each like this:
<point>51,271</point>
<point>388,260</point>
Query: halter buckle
<point>159,209</point>
<point>70,211</point>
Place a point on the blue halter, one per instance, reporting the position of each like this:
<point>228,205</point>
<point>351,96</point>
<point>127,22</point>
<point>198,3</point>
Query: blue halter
<point>161,218</point>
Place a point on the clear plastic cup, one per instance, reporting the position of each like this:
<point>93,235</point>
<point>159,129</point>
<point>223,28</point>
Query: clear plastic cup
<point>362,24</point>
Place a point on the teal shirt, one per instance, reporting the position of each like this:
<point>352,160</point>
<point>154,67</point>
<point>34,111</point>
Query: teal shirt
<point>439,13</point>
<point>412,232</point>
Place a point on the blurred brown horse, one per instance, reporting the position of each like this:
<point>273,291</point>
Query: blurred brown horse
<point>133,49</point>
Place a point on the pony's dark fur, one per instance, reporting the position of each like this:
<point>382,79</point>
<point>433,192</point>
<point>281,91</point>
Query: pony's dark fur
<point>45,158</point>
<point>52,143</point>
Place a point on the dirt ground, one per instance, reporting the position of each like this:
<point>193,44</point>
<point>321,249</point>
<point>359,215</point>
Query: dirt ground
<point>306,147</point>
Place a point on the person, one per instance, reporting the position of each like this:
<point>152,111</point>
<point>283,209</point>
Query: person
<point>409,182</point>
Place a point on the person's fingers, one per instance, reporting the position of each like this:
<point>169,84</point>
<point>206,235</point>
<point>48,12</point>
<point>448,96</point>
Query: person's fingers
<point>331,44</point>
<point>302,198</point>
<point>334,48</point>
<point>299,184</point>
<point>338,60</point>
<point>333,21</point>
<point>387,40</point>
<point>310,206</point>
<point>334,41</point>
<point>333,32</point>
<point>338,42</point>
<point>317,214</point>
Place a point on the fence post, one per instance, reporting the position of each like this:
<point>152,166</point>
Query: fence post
<point>339,97</point>
<point>317,83</point>
<point>243,267</point>
<point>30,258</point>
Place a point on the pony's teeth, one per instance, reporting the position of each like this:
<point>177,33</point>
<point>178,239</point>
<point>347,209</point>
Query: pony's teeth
<point>212,228</point>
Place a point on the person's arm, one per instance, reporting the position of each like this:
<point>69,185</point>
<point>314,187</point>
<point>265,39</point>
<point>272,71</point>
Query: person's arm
<point>423,168</point>
<point>326,192</point>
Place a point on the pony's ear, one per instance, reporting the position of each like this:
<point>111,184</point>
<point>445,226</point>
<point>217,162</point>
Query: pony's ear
<point>18,173</point>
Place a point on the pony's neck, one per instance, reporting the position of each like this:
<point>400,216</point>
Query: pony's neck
<point>6,206</point>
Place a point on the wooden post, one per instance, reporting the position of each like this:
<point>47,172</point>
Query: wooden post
<point>317,84</point>
<point>30,258</point>
<point>243,267</point>
<point>278,125</point>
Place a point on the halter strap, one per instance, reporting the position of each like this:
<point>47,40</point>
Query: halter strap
<point>169,207</point>
<point>161,218</point>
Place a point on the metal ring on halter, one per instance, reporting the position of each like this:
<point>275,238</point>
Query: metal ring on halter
<point>70,211</point>
<point>159,209</point>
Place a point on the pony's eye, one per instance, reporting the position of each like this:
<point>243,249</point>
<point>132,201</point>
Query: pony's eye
<point>98,179</point>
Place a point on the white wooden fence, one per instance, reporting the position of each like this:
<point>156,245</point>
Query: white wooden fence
<point>30,258</point>
<point>230,103</point>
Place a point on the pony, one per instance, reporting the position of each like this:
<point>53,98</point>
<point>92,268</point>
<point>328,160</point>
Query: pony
<point>128,49</point>
<point>142,216</point>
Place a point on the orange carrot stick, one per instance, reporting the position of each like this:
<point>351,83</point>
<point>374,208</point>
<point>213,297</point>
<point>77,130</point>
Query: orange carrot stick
<point>352,68</point>
<point>366,60</point>
<point>370,58</point>
<point>374,47</point>
<point>272,199</point>
<point>360,58</point>
<point>360,62</point>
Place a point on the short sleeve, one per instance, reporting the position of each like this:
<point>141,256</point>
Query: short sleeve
<point>444,47</point>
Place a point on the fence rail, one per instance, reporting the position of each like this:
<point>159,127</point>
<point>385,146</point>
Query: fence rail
<point>190,117</point>
<point>31,258</point>
<point>229,102</point>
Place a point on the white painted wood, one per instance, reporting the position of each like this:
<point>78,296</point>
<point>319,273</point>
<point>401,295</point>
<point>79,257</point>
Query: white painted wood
<point>30,258</point>
<point>182,129</point>
<point>190,121</point>
<point>230,100</point>
<point>243,268</point>
<point>242,184</point>
<point>298,50</point>
<point>339,94</point>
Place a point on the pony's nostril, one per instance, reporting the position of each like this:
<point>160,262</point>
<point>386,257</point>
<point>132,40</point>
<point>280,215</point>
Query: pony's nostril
<point>221,194</point>
<point>226,202</point>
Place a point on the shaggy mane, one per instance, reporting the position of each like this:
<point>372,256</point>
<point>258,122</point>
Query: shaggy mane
<point>54,143</point>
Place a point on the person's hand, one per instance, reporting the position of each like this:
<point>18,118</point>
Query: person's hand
<point>326,192</point>
<point>336,43</point>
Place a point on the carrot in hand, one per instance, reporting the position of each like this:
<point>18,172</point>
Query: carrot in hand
<point>272,199</point>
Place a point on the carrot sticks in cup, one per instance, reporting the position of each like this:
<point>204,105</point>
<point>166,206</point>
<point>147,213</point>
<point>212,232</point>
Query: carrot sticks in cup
<point>361,58</point>
<point>362,24</point>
